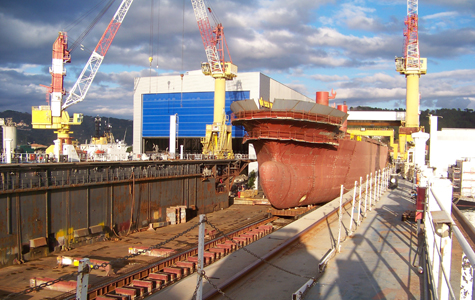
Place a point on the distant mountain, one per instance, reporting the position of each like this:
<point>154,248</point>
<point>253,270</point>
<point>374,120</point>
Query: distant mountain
<point>450,117</point>
<point>83,132</point>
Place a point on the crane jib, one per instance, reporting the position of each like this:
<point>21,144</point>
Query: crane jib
<point>80,88</point>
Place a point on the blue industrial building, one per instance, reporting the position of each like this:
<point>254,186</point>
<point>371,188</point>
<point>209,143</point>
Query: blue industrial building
<point>191,97</point>
<point>194,109</point>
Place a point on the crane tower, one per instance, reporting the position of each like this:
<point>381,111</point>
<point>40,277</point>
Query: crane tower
<point>412,66</point>
<point>54,115</point>
<point>218,139</point>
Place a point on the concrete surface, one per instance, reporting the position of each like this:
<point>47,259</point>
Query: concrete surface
<point>376,263</point>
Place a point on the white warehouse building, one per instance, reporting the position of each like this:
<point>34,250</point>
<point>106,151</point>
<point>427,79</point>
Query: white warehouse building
<point>191,98</point>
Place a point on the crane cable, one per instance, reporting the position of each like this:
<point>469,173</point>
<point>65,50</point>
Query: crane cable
<point>78,20</point>
<point>150,58</point>
<point>83,35</point>
<point>211,11</point>
<point>158,30</point>
<point>182,52</point>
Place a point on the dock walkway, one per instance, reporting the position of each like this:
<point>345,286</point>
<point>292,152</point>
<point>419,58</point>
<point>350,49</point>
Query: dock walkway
<point>378,261</point>
<point>375,263</point>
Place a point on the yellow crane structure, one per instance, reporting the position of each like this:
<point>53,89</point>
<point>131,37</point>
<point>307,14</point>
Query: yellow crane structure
<point>412,66</point>
<point>218,139</point>
<point>376,132</point>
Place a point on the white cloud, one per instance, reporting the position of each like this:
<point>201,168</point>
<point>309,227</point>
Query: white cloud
<point>438,16</point>
<point>329,78</point>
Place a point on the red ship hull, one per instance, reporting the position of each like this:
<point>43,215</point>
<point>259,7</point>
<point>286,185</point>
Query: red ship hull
<point>303,157</point>
<point>296,174</point>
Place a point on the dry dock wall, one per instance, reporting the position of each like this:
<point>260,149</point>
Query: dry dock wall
<point>64,205</point>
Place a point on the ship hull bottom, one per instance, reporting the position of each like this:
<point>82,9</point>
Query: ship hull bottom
<point>298,174</point>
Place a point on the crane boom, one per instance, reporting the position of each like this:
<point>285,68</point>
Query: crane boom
<point>412,37</point>
<point>206,32</point>
<point>80,88</point>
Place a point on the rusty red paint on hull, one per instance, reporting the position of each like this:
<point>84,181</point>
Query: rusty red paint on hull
<point>305,160</point>
<point>297,174</point>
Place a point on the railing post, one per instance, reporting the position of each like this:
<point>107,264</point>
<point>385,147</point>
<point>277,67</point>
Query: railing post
<point>466,279</point>
<point>440,242</point>
<point>375,187</point>
<point>201,250</point>
<point>366,195</point>
<point>83,279</point>
<point>339,220</point>
<point>370,191</point>
<point>386,176</point>
<point>379,184</point>
<point>350,232</point>
<point>359,203</point>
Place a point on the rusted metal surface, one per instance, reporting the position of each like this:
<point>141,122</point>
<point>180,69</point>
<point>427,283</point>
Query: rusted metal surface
<point>291,212</point>
<point>303,157</point>
<point>298,174</point>
<point>55,200</point>
<point>144,272</point>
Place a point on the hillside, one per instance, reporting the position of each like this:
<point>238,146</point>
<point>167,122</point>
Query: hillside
<point>83,132</point>
<point>450,118</point>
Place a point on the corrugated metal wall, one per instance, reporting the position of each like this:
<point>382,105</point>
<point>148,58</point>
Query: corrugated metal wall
<point>194,109</point>
<point>57,207</point>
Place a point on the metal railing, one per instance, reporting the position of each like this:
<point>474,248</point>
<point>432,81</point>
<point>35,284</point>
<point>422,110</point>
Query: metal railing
<point>66,178</point>
<point>439,231</point>
<point>21,158</point>
<point>302,136</point>
<point>286,114</point>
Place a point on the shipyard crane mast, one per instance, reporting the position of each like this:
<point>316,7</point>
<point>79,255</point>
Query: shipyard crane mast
<point>54,115</point>
<point>412,66</point>
<point>218,139</point>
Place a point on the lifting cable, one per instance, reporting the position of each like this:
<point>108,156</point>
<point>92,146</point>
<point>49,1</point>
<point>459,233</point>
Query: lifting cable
<point>150,57</point>
<point>182,51</point>
<point>78,20</point>
<point>83,35</point>
<point>211,11</point>
<point>158,30</point>
<point>152,49</point>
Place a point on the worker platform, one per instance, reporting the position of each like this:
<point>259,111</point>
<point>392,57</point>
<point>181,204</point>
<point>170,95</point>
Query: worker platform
<point>377,260</point>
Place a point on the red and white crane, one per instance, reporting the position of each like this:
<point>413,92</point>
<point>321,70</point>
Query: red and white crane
<point>411,34</point>
<point>80,88</point>
<point>412,66</point>
<point>54,116</point>
<point>217,141</point>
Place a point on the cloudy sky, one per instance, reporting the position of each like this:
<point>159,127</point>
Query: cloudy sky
<point>309,45</point>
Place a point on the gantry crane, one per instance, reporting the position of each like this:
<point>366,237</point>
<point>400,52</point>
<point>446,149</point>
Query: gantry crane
<point>218,139</point>
<point>54,115</point>
<point>412,66</point>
